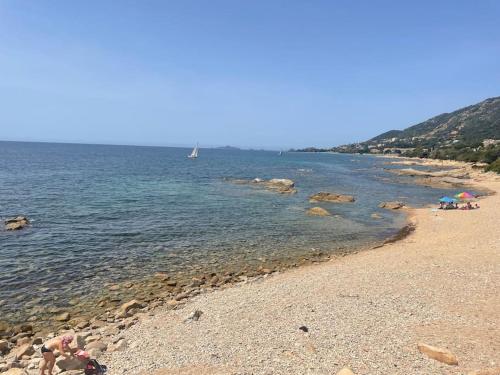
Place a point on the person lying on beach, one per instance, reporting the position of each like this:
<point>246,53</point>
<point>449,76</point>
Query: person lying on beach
<point>61,344</point>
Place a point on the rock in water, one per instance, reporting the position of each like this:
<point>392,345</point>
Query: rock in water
<point>345,371</point>
<point>391,205</point>
<point>376,216</point>
<point>63,317</point>
<point>281,185</point>
<point>323,196</point>
<point>318,211</point>
<point>441,355</point>
<point>16,223</point>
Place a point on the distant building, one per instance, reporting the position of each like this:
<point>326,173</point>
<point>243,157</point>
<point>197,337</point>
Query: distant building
<point>490,142</point>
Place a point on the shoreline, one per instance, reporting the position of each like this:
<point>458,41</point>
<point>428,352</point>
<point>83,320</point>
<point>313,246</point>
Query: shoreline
<point>145,310</point>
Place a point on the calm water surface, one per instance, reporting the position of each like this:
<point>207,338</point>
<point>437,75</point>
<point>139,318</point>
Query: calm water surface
<point>104,214</point>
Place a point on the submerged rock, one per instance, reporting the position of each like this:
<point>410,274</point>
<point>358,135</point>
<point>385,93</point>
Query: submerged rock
<point>323,196</point>
<point>318,211</point>
<point>16,223</point>
<point>279,185</point>
<point>391,205</point>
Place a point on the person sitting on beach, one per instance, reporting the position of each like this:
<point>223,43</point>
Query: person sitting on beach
<point>469,206</point>
<point>61,344</point>
<point>476,206</point>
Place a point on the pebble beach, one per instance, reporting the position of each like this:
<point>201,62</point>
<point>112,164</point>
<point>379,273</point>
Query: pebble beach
<point>368,312</point>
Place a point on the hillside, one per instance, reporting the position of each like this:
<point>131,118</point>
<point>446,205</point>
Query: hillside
<point>469,134</point>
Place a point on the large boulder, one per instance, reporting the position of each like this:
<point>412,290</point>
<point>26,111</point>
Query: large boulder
<point>391,205</point>
<point>318,211</point>
<point>16,223</point>
<point>324,196</point>
<point>439,354</point>
<point>71,363</point>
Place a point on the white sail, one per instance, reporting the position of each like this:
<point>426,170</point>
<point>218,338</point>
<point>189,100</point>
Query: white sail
<point>194,153</point>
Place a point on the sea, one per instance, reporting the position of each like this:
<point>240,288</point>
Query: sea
<point>105,214</point>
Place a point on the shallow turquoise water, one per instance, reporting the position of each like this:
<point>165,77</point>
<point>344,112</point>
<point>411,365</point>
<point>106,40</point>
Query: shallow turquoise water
<point>107,213</point>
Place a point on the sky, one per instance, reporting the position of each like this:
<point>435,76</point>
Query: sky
<point>269,74</point>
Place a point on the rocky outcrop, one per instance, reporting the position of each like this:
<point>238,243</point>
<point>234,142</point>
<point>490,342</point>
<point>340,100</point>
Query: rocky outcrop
<point>279,185</point>
<point>323,196</point>
<point>16,223</point>
<point>391,205</point>
<point>441,355</point>
<point>318,211</point>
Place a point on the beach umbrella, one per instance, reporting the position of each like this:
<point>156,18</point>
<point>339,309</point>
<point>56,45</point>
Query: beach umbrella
<point>447,200</point>
<point>465,195</point>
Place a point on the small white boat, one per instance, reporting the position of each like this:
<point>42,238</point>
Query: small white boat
<point>280,153</point>
<point>194,153</point>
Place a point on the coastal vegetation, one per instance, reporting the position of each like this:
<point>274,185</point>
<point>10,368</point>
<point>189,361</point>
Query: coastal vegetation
<point>470,134</point>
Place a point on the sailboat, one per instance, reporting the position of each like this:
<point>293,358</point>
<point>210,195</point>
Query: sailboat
<point>194,153</point>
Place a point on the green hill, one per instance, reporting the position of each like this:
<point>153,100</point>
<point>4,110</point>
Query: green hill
<point>469,134</point>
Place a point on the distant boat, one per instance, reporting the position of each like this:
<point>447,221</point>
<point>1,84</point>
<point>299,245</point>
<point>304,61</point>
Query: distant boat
<point>280,153</point>
<point>194,153</point>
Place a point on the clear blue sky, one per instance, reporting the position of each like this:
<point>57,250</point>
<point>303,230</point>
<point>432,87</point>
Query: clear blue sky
<point>268,73</point>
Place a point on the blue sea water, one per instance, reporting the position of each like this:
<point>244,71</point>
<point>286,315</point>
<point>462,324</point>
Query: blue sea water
<point>103,214</point>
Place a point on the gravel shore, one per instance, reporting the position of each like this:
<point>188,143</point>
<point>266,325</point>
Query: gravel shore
<point>366,311</point>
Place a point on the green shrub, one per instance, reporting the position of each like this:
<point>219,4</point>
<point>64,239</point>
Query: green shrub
<point>494,167</point>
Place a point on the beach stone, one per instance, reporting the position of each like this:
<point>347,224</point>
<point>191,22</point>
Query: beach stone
<point>162,276</point>
<point>23,340</point>
<point>345,371</point>
<point>92,338</point>
<point>118,347</point>
<point>4,346</point>
<point>26,349</point>
<point>438,354</point>
<point>391,205</point>
<point>323,196</point>
<point>194,316</point>
<point>15,371</point>
<point>318,211</point>
<point>114,287</point>
<point>181,296</point>
<point>376,216</point>
<point>71,363</point>
<point>99,345</point>
<point>134,304</point>
<point>63,317</point>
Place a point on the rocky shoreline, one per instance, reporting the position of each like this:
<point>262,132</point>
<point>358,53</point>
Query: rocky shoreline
<point>103,331</point>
